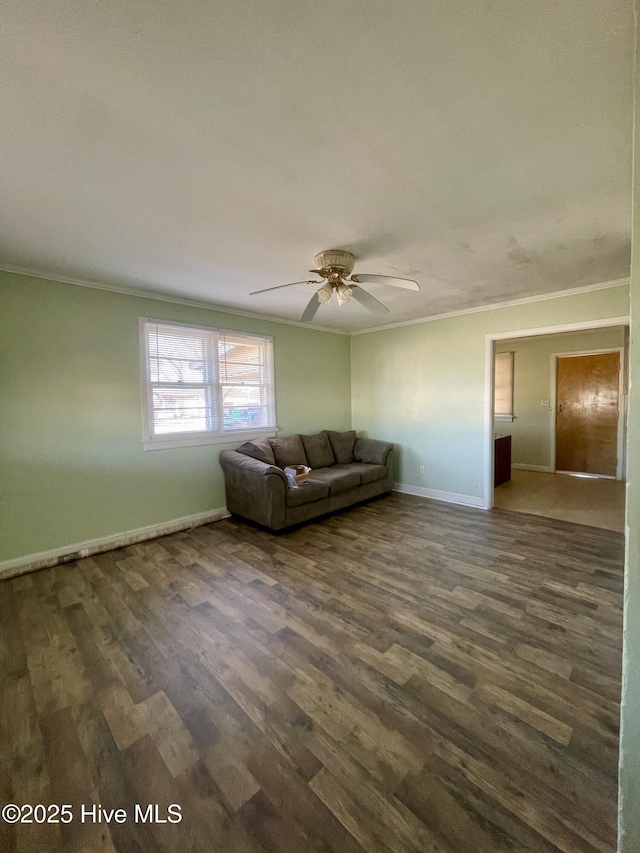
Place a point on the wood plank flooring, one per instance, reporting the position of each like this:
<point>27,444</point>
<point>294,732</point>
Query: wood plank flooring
<point>404,677</point>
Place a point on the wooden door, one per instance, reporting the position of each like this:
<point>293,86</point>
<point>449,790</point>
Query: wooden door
<point>587,413</point>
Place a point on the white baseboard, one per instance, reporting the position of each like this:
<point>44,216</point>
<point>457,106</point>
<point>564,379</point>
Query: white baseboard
<point>437,495</point>
<point>42,559</point>
<point>522,466</point>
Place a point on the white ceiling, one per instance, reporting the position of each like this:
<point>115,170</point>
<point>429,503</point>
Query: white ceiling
<point>206,149</point>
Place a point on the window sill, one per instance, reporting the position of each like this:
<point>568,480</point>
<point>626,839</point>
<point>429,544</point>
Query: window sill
<point>194,440</point>
<point>507,418</point>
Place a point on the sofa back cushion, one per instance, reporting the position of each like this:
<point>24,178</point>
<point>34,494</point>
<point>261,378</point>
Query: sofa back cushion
<point>288,451</point>
<point>318,450</point>
<point>342,445</point>
<point>258,448</point>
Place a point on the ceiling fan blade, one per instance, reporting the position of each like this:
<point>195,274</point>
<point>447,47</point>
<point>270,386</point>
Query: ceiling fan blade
<point>406,283</point>
<point>278,286</point>
<point>310,311</point>
<point>370,302</point>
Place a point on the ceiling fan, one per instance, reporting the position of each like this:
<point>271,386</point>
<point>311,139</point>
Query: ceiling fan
<point>335,266</point>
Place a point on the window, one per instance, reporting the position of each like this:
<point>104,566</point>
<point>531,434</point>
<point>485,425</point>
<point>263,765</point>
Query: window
<point>503,396</point>
<point>202,386</point>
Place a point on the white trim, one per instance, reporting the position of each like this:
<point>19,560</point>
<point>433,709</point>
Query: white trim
<point>211,306</point>
<point>580,326</point>
<point>489,424</point>
<point>437,495</point>
<point>490,340</point>
<point>521,466</point>
<point>196,439</point>
<point>42,559</point>
<point>162,297</point>
<point>584,476</point>
<point>170,441</point>
<point>525,300</point>
<point>162,321</point>
<point>621,403</point>
<point>145,379</point>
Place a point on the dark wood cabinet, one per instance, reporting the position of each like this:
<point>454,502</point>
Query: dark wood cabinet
<point>502,460</point>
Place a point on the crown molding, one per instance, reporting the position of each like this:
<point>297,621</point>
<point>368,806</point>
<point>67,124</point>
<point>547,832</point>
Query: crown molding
<point>525,300</point>
<point>212,306</point>
<point>161,297</point>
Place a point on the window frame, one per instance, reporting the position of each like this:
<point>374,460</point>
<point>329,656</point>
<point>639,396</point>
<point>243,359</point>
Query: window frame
<point>507,417</point>
<point>165,441</point>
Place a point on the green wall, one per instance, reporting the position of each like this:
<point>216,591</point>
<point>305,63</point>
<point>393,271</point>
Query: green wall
<point>531,429</point>
<point>72,467</point>
<point>423,386</point>
<point>629,837</point>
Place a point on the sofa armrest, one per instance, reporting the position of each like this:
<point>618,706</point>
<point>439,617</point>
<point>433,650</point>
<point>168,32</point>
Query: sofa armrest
<point>372,451</point>
<point>249,465</point>
<point>255,489</point>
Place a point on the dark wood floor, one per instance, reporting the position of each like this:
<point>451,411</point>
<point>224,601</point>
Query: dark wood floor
<point>406,676</point>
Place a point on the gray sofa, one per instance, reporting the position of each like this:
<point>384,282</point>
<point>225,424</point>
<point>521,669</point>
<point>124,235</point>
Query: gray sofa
<point>344,470</point>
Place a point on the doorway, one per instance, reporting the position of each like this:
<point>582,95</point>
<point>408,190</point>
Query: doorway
<point>587,421</point>
<point>530,425</point>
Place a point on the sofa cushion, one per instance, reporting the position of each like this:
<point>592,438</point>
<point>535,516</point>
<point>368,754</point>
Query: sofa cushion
<point>369,473</point>
<point>258,448</point>
<point>342,445</point>
<point>318,450</point>
<point>339,478</point>
<point>288,450</point>
<point>306,493</point>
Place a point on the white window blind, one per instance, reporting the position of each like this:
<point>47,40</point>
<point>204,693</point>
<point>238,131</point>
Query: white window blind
<point>503,395</point>
<point>246,378</point>
<point>182,376</point>
<point>204,383</point>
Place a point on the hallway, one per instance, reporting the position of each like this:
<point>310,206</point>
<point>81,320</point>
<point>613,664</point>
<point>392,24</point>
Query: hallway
<point>598,503</point>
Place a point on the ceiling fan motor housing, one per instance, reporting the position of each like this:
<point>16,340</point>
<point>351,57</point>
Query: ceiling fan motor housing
<point>334,263</point>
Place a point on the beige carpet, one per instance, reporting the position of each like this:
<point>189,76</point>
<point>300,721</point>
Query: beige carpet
<point>599,503</point>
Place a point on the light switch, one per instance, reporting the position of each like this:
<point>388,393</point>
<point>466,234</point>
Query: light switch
<point>545,402</point>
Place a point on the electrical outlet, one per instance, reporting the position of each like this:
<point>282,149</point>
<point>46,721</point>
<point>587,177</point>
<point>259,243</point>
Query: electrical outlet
<point>545,402</point>
<point>422,469</point>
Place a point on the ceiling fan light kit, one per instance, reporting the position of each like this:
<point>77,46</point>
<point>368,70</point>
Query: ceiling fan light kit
<point>344,293</point>
<point>336,266</point>
<point>324,294</point>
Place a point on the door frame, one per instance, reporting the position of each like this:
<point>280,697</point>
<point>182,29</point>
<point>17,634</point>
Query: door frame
<point>490,341</point>
<point>621,406</point>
